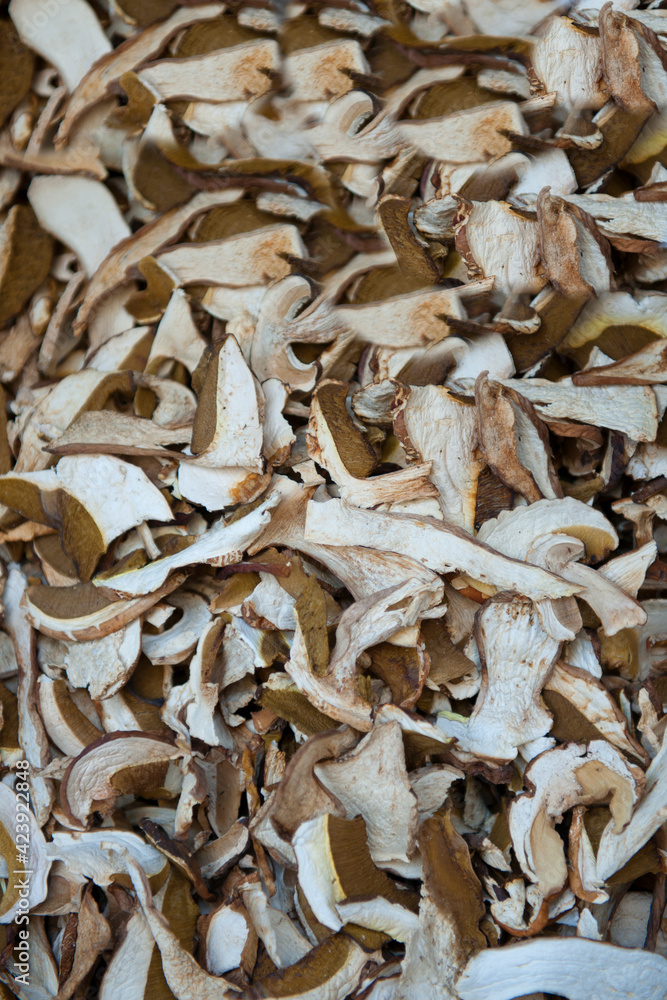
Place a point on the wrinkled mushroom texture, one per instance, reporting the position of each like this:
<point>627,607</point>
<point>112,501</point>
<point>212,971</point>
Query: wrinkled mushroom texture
<point>495,240</point>
<point>517,656</point>
<point>113,765</point>
<point>557,780</point>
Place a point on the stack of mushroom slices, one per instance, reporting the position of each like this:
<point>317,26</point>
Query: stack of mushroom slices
<point>333,500</point>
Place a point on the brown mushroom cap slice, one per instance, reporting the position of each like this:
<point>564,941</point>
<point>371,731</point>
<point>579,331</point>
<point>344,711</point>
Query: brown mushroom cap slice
<point>371,781</point>
<point>436,545</point>
<point>330,971</point>
<point>559,779</point>
<point>65,725</point>
<point>89,780</point>
<point>577,968</point>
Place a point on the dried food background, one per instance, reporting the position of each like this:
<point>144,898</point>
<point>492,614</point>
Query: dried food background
<point>333,489</point>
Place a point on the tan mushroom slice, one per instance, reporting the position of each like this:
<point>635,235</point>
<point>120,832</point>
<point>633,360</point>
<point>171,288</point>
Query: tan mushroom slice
<point>221,545</point>
<point>129,966</point>
<point>626,408</point>
<point>599,321</point>
<point>567,60</point>
<point>629,570</point>
<point>557,780</point>
<point>25,259</point>
<point>330,971</point>
<point>93,935</point>
<point>469,136</point>
<point>325,71</point>
<point>104,665</point>
<point>433,425</point>
<point>618,846</point>
<point>191,707</point>
<point>278,434</point>
<point>66,726</point>
<point>436,545</point>
<point>497,241</point>
<point>371,781</point>
<point>645,367</point>
<point>514,441</point>
<point>227,434</point>
<point>575,257</point>
<point>176,338</point>
<point>175,643</point>
<point>112,764</point>
<point>216,856</point>
<point>337,444</point>
<point>591,701</point>
<point>577,968</point>
<point>284,943</point>
<point>108,433</point>
<point>70,37</point>
<point>80,856</point>
<point>83,613</point>
<point>185,977</point>
<point>236,261</point>
<point>82,214</point>
<point>24,857</point>
<point>240,72</point>
<point>86,498</point>
<point>334,865</point>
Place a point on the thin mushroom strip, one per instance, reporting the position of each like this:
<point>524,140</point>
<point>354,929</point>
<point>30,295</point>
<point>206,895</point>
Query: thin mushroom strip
<point>333,500</point>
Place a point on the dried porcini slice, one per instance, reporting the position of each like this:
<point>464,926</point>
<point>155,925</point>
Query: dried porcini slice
<point>333,475</point>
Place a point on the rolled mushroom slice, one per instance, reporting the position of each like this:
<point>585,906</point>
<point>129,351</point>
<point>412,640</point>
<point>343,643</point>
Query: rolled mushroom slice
<point>220,545</point>
<point>558,780</point>
<point>176,642</point>
<point>517,656</point>
<point>437,545</point>
<point>112,764</point>
<point>578,968</point>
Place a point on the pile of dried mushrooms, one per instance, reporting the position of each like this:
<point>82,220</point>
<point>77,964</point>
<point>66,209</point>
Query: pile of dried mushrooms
<point>333,499</point>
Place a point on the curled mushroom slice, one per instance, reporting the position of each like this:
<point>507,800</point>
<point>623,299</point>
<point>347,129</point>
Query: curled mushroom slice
<point>111,764</point>
<point>80,856</point>
<point>220,545</point>
<point>175,643</point>
<point>439,546</point>
<point>578,968</point>
<point>508,711</point>
<point>557,780</point>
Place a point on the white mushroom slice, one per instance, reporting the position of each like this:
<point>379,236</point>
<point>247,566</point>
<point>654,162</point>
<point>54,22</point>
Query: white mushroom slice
<point>469,136</point>
<point>592,700</point>
<point>213,858</point>
<point>431,785</point>
<point>568,61</point>
<point>176,338</point>
<point>371,781</point>
<point>623,215</point>
<point>89,777</point>
<point>325,71</point>
<point>98,495</point>
<point>88,855</point>
<point>65,725</point>
<point>239,72</point>
<point>513,532</point>
<point>615,609</point>
<point>104,432</point>
<point>559,779</point>
<point>616,848</point>
<point>435,544</point>
<point>630,921</point>
<point>576,968</point>
<point>627,408</point>
<point>68,36</point>
<point>219,546</point>
<point>235,261</point>
<point>284,943</point>
<point>22,849</point>
<point>191,707</point>
<point>496,241</point>
<point>185,977</point>
<point>81,213</point>
<point>175,644</point>
<point>228,938</point>
<point>126,974</point>
<point>517,656</point>
<point>629,570</point>
<point>435,427</point>
<point>278,434</point>
<point>380,914</point>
